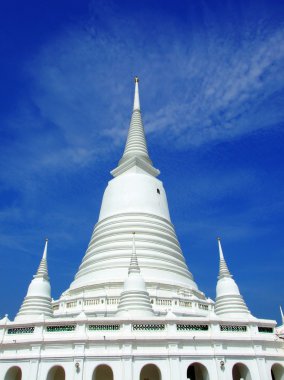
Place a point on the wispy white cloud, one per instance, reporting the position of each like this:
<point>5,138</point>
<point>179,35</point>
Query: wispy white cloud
<point>194,89</point>
<point>228,95</point>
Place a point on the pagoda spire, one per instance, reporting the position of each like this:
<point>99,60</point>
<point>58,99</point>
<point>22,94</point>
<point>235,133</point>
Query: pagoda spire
<point>37,302</point>
<point>136,103</point>
<point>223,268</point>
<point>136,151</point>
<point>134,299</point>
<point>136,145</point>
<point>229,301</point>
<point>282,315</point>
<point>42,269</point>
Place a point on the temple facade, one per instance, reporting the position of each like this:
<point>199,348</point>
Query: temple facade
<point>133,310</point>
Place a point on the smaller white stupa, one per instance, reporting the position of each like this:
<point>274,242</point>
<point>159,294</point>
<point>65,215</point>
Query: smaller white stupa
<point>37,303</point>
<point>229,301</point>
<point>134,299</point>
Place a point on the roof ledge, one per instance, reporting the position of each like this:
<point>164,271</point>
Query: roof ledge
<point>135,161</point>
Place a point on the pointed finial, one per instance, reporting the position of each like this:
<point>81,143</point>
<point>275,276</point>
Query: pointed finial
<point>220,248</point>
<point>282,315</point>
<point>45,249</point>
<point>133,267</point>
<point>42,269</point>
<point>223,269</point>
<point>136,104</point>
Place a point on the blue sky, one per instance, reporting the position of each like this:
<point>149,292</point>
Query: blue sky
<point>212,91</point>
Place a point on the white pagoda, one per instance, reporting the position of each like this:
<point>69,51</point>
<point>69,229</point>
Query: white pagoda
<point>134,311</point>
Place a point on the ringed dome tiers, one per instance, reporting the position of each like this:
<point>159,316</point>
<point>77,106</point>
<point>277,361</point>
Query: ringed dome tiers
<point>134,201</point>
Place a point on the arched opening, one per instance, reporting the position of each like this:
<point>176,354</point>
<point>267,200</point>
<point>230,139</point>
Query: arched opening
<point>150,372</point>
<point>56,373</point>
<point>277,372</point>
<point>14,373</point>
<point>197,371</point>
<point>103,372</point>
<point>241,372</point>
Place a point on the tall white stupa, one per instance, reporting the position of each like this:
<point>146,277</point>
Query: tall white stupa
<point>133,310</point>
<point>134,200</point>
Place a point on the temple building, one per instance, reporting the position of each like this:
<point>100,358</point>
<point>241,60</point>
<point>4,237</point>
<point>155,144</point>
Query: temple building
<point>134,310</point>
